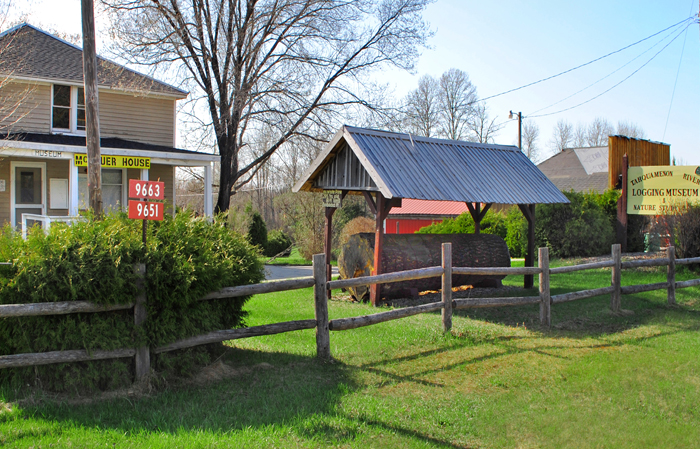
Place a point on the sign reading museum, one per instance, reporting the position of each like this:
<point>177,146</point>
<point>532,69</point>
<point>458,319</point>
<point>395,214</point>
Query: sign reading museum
<point>662,190</point>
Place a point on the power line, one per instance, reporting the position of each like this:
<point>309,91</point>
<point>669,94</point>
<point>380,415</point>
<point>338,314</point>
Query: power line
<point>617,84</point>
<point>608,75</point>
<point>584,64</point>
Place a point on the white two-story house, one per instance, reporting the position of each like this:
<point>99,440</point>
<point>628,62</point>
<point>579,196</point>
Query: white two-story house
<point>42,129</point>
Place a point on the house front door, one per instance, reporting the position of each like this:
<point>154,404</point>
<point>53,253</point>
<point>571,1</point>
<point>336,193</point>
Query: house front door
<point>28,190</point>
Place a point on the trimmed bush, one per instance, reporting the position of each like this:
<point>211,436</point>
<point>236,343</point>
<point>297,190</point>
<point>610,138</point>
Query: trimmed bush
<point>93,260</point>
<point>492,223</point>
<point>277,241</point>
<point>516,232</point>
<point>257,230</point>
<point>579,229</point>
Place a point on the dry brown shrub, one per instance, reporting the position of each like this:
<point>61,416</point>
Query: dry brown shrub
<point>356,226</point>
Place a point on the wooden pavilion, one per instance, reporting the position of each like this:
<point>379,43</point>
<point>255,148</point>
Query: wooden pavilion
<point>386,167</point>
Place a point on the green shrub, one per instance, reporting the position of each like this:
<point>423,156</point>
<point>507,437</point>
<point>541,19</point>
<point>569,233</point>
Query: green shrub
<point>492,223</point>
<point>93,260</point>
<point>516,232</point>
<point>579,229</point>
<point>277,241</point>
<point>257,230</point>
<point>687,233</point>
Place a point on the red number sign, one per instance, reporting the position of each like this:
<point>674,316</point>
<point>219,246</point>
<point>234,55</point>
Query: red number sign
<point>149,190</point>
<point>142,210</point>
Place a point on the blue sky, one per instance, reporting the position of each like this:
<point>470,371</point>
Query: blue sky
<point>506,44</point>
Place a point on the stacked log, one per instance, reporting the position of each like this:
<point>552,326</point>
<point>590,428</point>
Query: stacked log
<point>410,251</point>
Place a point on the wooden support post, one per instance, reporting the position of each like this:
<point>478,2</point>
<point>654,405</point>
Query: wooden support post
<point>327,241</point>
<point>616,295</point>
<point>671,274</point>
<point>622,208</point>
<point>447,287</point>
<point>545,294</point>
<point>528,211</point>
<point>323,339</point>
<point>477,214</point>
<point>143,354</point>
<point>375,290</point>
<point>92,113</point>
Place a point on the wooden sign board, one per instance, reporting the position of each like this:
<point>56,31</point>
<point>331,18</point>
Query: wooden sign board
<point>147,190</point>
<point>144,163</point>
<point>662,190</point>
<point>332,198</point>
<point>143,210</point>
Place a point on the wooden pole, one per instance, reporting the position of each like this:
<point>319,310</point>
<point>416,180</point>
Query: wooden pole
<point>545,294</point>
<point>327,241</point>
<point>323,339</point>
<point>477,221</point>
<point>615,296</point>
<point>92,123</point>
<point>528,211</point>
<point>447,287</point>
<point>622,207</point>
<point>143,357</point>
<point>671,274</point>
<point>375,289</point>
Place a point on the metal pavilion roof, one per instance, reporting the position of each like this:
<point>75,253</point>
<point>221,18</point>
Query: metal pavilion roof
<point>405,166</point>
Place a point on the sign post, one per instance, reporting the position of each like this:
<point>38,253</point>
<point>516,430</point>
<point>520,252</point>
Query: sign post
<point>142,209</point>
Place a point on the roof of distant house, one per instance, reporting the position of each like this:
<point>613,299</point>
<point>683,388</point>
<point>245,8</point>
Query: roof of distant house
<point>578,169</point>
<point>411,206</point>
<point>31,53</point>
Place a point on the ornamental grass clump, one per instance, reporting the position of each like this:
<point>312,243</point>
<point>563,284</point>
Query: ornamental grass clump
<point>93,260</point>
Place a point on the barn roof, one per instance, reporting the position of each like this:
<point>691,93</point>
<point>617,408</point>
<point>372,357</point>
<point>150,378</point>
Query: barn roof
<point>403,166</point>
<point>426,207</point>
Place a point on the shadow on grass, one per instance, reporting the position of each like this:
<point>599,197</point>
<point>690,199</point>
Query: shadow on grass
<point>269,390</point>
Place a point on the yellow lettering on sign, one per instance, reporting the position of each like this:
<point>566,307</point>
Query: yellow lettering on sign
<point>143,163</point>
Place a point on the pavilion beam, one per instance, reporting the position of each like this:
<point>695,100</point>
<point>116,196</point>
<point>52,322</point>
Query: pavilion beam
<point>478,214</point>
<point>327,240</point>
<point>383,207</point>
<point>528,211</point>
<point>370,202</point>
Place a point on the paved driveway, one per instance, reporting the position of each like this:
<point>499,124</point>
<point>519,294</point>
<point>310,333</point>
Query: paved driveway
<point>277,272</point>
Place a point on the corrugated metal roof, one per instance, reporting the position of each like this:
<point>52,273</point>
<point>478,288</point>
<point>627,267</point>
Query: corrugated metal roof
<point>411,206</point>
<point>406,166</point>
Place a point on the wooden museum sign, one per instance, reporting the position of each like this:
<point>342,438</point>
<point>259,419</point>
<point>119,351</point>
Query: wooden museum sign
<point>662,190</point>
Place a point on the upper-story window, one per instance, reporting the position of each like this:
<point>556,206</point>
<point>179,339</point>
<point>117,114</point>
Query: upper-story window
<point>68,109</point>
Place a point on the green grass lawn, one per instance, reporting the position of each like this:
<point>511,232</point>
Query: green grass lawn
<point>498,380</point>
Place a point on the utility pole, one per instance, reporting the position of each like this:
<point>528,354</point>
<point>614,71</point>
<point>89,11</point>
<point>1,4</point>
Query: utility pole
<point>520,128</point>
<point>92,123</point>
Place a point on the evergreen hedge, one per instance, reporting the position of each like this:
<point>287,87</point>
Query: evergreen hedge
<point>93,260</point>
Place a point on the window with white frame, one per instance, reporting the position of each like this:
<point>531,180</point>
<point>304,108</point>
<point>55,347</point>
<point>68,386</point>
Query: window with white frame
<point>68,109</point>
<point>112,189</point>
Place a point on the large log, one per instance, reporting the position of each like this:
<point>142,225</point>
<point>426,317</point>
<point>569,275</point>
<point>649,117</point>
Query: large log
<point>413,251</point>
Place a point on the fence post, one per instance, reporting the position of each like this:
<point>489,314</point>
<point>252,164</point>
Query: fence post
<point>447,287</point>
<point>671,274</point>
<point>323,338</point>
<point>615,302</point>
<point>143,354</point>
<point>545,294</point>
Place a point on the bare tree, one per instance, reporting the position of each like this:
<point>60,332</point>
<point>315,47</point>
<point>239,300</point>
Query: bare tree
<point>579,138</point>
<point>629,129</point>
<point>531,133</point>
<point>457,96</point>
<point>598,132</point>
<point>422,110</point>
<point>277,63</point>
<point>563,136</point>
<point>483,128</point>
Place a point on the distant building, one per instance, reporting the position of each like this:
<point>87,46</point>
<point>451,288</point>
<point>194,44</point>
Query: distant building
<point>599,168</point>
<point>416,214</point>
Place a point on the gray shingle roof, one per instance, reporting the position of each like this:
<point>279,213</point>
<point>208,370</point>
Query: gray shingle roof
<point>404,166</point>
<point>566,171</point>
<point>32,53</point>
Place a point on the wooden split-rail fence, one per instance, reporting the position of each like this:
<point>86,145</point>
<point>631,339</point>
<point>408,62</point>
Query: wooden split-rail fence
<point>322,285</point>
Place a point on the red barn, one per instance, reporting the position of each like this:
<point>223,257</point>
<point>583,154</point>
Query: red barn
<point>415,214</point>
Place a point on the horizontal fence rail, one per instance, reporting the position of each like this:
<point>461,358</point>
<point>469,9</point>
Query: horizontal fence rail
<point>322,285</point>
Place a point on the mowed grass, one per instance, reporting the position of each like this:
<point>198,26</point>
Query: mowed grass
<point>498,380</point>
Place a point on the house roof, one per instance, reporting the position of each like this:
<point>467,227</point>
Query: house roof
<point>28,52</point>
<point>411,206</point>
<point>568,172</point>
<point>405,166</point>
<point>79,141</point>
